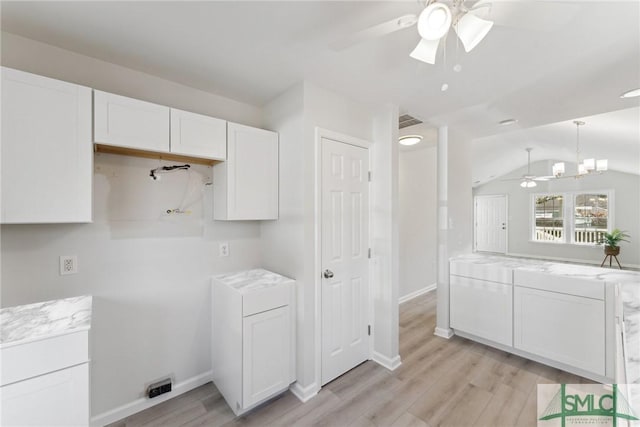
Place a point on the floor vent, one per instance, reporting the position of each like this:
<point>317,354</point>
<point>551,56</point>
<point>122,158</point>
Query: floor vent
<point>407,120</point>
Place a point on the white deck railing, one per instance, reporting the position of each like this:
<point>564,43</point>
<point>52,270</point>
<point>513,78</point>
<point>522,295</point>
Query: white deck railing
<point>554,234</point>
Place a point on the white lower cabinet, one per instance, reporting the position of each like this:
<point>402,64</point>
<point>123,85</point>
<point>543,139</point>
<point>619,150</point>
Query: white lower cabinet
<point>265,354</point>
<point>60,398</point>
<point>45,382</point>
<point>253,343</point>
<point>482,308</point>
<point>566,328</point>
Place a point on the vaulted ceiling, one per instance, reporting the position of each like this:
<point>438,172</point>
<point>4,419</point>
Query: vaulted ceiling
<point>543,62</point>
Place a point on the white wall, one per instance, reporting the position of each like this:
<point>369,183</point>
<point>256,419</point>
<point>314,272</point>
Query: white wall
<point>418,208</point>
<point>291,242</point>
<point>626,211</point>
<point>149,273</point>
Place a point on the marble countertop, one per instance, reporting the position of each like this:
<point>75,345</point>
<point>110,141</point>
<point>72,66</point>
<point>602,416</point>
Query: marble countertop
<point>629,284</point>
<point>32,322</point>
<point>250,280</point>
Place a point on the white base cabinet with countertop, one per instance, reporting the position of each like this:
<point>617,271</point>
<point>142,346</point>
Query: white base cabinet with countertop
<point>253,342</point>
<point>47,160</point>
<point>44,356</point>
<point>562,320</point>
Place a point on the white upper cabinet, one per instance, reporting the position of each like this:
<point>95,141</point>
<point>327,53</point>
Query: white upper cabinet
<point>245,187</point>
<point>197,135</point>
<point>130,123</point>
<point>47,156</point>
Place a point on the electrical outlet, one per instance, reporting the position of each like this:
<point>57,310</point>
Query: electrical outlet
<point>68,264</point>
<point>161,387</point>
<point>224,249</point>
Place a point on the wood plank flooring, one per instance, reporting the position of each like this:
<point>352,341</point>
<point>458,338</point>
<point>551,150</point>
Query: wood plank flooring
<point>441,382</point>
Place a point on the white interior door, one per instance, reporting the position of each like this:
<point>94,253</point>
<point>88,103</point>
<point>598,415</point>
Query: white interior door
<point>345,274</point>
<point>491,223</point>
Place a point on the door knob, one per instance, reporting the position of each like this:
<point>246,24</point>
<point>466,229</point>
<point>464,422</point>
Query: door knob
<point>328,274</point>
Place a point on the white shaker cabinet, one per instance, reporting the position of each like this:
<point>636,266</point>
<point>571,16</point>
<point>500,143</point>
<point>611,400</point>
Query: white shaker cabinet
<point>245,187</point>
<point>560,318</point>
<point>253,343</point>
<point>197,135</point>
<point>482,308</point>
<point>130,123</point>
<point>47,157</point>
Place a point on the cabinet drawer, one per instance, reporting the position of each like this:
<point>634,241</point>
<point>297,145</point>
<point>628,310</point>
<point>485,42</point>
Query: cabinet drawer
<point>28,360</point>
<point>265,299</point>
<point>581,287</point>
<point>489,272</point>
<point>563,328</point>
<point>482,308</point>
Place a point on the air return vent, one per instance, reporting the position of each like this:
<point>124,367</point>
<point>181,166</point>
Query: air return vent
<point>407,120</point>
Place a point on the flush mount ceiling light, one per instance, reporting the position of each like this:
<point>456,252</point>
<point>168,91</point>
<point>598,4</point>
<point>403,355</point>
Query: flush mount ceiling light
<point>410,139</point>
<point>588,166</point>
<point>631,93</point>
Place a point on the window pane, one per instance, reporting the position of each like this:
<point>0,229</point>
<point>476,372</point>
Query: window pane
<point>591,217</point>
<point>549,218</point>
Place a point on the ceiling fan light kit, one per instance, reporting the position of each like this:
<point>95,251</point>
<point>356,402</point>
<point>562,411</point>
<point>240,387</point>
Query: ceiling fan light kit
<point>528,183</point>
<point>426,51</point>
<point>471,30</point>
<point>434,23</point>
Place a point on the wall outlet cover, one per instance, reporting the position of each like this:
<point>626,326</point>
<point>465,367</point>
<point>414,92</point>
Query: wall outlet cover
<point>68,264</point>
<point>224,249</point>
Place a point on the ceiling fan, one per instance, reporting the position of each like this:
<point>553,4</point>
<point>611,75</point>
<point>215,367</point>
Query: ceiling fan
<point>528,180</point>
<point>466,18</point>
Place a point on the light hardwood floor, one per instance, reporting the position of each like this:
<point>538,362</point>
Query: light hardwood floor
<point>441,382</point>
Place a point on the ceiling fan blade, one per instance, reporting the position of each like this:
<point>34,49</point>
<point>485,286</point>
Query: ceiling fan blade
<point>374,32</point>
<point>514,179</point>
<point>426,51</point>
<point>543,178</point>
<point>526,14</point>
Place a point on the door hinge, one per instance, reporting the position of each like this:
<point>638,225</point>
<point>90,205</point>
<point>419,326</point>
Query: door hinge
<point>369,330</point>
<point>369,253</point>
<point>369,176</point>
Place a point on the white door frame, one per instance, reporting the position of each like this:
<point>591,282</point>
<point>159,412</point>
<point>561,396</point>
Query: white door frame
<point>506,218</point>
<point>345,139</point>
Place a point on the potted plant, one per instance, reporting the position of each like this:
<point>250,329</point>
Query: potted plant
<point>611,241</point>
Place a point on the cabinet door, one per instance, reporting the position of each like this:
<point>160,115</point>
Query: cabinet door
<point>197,135</point>
<point>130,123</point>
<point>47,156</point>
<point>252,173</point>
<point>265,355</point>
<point>60,398</point>
<point>482,308</point>
<point>565,328</point>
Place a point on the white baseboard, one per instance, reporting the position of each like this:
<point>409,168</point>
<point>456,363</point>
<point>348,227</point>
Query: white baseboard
<point>417,293</point>
<point>304,393</point>
<point>572,260</point>
<point>443,333</point>
<point>390,363</point>
<point>143,403</point>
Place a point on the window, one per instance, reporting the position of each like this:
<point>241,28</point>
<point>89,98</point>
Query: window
<point>549,218</point>
<point>571,217</point>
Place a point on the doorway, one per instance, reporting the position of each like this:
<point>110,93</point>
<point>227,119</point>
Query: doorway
<point>490,223</point>
<point>344,257</point>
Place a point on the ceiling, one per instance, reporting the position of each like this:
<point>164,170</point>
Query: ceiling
<point>555,61</point>
<point>614,136</point>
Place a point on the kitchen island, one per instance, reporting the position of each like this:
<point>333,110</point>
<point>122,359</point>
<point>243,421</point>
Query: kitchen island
<point>579,318</point>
